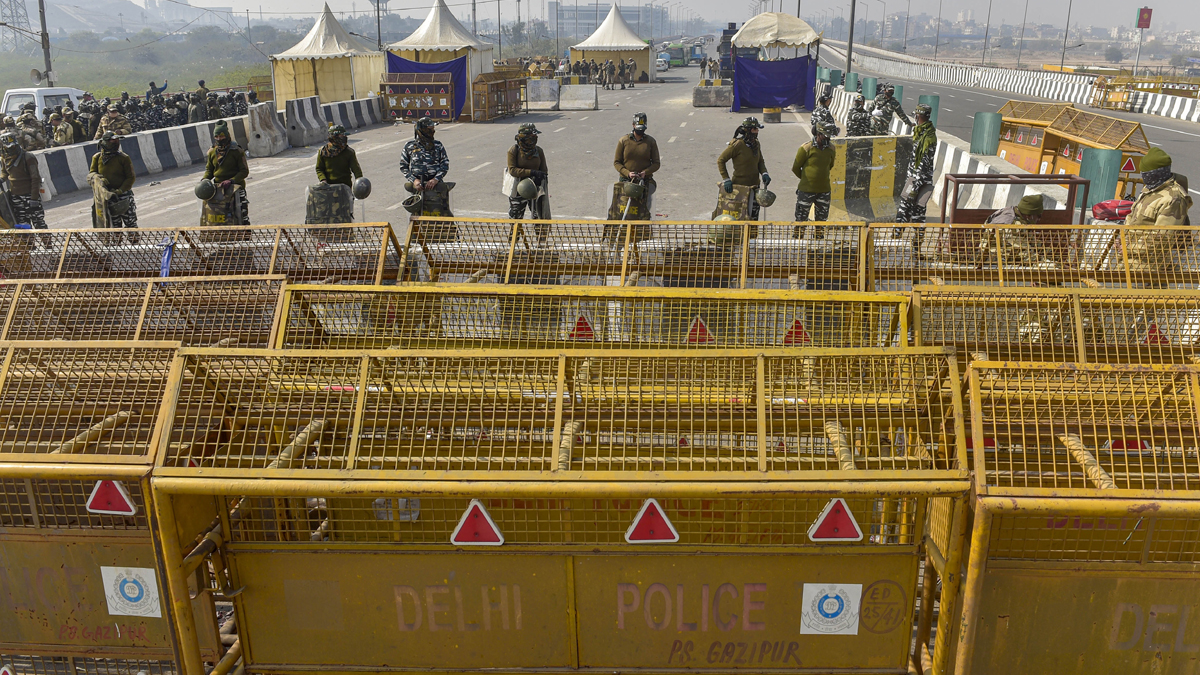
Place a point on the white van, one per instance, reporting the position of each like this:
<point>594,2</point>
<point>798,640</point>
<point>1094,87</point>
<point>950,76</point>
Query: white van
<point>42,97</point>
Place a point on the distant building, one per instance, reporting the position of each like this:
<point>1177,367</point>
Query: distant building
<point>181,11</point>
<point>966,16</point>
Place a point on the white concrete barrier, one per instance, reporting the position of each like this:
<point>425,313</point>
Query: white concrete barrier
<point>268,136</point>
<point>578,97</point>
<point>355,114</point>
<point>542,94</point>
<point>65,169</point>
<point>305,122</point>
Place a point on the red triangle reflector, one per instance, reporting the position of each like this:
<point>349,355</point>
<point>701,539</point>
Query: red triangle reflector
<point>835,523</point>
<point>796,335</point>
<point>582,330</point>
<point>1155,336</point>
<point>110,498</point>
<point>476,528</point>
<point>698,333</point>
<point>1128,165</point>
<point>651,525</point>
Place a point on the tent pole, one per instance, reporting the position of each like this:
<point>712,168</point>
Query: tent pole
<point>499,31</point>
<point>316,92</point>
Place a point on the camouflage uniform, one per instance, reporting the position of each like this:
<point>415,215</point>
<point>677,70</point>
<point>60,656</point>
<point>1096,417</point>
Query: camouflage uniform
<point>920,176</point>
<point>858,120</point>
<point>119,125</point>
<point>890,106</point>
<point>821,115</point>
<point>421,161</point>
<point>20,169</point>
<point>30,133</point>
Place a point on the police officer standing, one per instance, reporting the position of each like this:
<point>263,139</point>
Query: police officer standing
<point>858,120</point>
<point>227,167</point>
<point>918,186</point>
<point>424,162</point>
<point>821,114</point>
<point>114,171</point>
<point>885,106</point>
<point>812,165</point>
<point>113,122</point>
<point>637,155</point>
<point>526,160</point>
<point>748,163</point>
<point>20,169</point>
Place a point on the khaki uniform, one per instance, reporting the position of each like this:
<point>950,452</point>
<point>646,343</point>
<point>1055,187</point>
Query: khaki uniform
<point>119,125</point>
<point>1023,248</point>
<point>64,134</point>
<point>748,164</point>
<point>1166,205</point>
<point>30,133</point>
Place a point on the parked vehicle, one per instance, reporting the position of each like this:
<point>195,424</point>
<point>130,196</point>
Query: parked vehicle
<point>661,65</point>
<point>41,97</point>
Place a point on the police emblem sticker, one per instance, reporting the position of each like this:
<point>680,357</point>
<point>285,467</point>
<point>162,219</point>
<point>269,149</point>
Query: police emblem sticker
<point>131,591</point>
<point>830,609</point>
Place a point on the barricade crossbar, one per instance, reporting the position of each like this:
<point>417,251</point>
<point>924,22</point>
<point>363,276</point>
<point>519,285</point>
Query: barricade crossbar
<point>821,256</point>
<point>352,253</point>
<point>472,316</point>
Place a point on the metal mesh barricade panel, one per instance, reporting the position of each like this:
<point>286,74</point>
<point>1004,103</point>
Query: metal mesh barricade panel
<point>362,253</point>
<point>467,316</point>
<point>781,522</point>
<point>1073,427</point>
<point>78,311</point>
<point>587,411</point>
<point>58,401</point>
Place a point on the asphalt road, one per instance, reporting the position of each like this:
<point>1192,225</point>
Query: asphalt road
<point>579,148</point>
<point>959,104</point>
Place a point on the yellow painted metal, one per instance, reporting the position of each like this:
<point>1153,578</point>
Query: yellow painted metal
<point>74,413</point>
<point>1085,325</point>
<point>835,256</point>
<point>447,316</point>
<point>356,253</point>
<point>194,311</point>
<point>341,476</point>
<point>1083,545</point>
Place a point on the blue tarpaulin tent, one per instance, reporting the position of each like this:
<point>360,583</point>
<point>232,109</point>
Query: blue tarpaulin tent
<point>774,84</point>
<point>456,67</point>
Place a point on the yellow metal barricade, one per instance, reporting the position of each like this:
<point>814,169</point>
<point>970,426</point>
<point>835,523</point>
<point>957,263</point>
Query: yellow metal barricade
<point>825,256</point>
<point>471,316</point>
<point>194,311</point>
<point>81,589</point>
<point>1083,549</point>
<point>1115,256</point>
<point>676,254</point>
<point>645,511</point>
<point>1085,325</point>
<point>362,253</point>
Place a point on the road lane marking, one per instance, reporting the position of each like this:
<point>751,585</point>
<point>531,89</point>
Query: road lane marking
<point>947,109</point>
<point>558,130</point>
<point>478,167</point>
<point>683,124</point>
<point>584,117</point>
<point>690,114</point>
<point>672,139</point>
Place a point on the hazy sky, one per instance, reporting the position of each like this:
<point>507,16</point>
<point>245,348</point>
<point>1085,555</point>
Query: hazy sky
<point>1185,13</point>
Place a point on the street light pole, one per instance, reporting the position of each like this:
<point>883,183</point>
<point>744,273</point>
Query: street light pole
<point>882,24</point>
<point>986,30</point>
<point>1067,31</point>
<point>850,38</point>
<point>907,16</point>
<point>938,39</point>
<point>1021,48</point>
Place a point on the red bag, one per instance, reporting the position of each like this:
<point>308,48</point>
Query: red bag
<point>1112,210</point>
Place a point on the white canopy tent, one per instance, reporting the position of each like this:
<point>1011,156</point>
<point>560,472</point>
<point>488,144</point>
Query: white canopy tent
<point>776,30</point>
<point>614,39</point>
<point>329,63</point>
<point>443,38</point>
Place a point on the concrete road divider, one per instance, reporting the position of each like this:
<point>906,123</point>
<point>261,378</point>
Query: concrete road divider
<point>267,135</point>
<point>65,169</point>
<point>354,114</point>
<point>305,122</point>
<point>577,97</point>
<point>543,94</point>
<point>712,96</point>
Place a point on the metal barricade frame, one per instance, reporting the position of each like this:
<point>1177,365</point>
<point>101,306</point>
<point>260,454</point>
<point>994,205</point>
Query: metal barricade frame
<point>283,483</point>
<point>444,316</point>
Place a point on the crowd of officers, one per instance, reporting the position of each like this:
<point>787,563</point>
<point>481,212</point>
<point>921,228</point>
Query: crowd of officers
<point>608,74</point>
<point>424,163</point>
<point>63,125</point>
